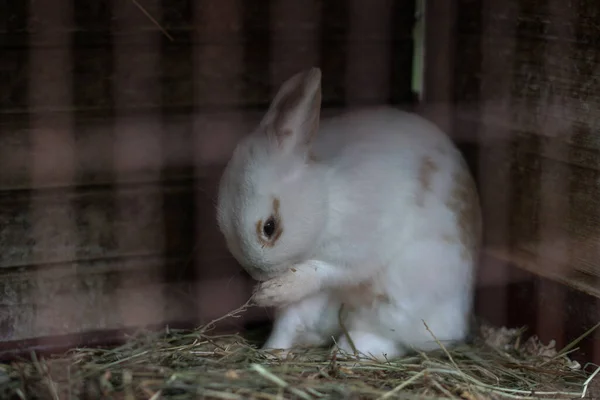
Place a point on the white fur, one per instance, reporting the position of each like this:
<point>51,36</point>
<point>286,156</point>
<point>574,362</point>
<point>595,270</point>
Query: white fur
<point>351,217</point>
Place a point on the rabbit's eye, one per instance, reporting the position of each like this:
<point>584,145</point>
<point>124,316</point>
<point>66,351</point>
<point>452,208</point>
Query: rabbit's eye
<point>269,227</point>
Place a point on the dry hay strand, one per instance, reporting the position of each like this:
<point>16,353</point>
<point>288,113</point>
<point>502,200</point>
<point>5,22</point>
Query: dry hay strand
<point>177,364</point>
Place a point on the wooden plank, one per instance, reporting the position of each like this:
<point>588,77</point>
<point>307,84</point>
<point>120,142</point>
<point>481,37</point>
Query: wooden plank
<point>176,22</point>
<point>539,166</point>
<point>113,269</point>
<point>51,304</point>
<point>98,220</point>
<point>214,79</point>
<point>47,345</point>
<point>94,148</point>
<point>212,72</point>
<point>207,138</point>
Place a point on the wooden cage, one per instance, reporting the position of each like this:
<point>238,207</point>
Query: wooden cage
<point>521,80</point>
<point>116,118</point>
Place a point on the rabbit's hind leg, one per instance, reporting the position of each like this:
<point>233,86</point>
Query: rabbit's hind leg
<point>370,344</point>
<point>311,322</point>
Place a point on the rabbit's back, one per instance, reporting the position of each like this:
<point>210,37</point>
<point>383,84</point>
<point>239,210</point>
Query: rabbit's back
<point>382,130</point>
<point>404,212</point>
<point>394,154</point>
<point>392,177</point>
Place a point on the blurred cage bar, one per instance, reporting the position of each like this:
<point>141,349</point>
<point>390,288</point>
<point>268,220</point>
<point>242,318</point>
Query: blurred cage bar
<point>117,117</point>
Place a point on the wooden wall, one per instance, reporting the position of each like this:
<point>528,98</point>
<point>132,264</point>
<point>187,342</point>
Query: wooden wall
<point>523,77</point>
<point>115,120</point>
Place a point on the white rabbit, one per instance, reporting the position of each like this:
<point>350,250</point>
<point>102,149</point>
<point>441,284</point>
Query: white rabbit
<point>374,209</point>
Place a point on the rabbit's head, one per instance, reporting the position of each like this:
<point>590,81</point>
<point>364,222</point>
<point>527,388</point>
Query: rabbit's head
<point>272,202</point>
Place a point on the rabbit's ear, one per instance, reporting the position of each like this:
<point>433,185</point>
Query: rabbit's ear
<point>293,116</point>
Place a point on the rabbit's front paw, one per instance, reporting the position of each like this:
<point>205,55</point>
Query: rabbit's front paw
<point>288,288</point>
<point>278,291</point>
<point>297,283</point>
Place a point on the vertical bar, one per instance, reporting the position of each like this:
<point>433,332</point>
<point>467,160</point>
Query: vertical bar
<point>179,80</point>
<point>552,247</point>
<point>220,46</point>
<point>53,147</point>
<point>220,30</point>
<point>438,75</point>
<point>368,57</point>
<point>137,147</point>
<point>495,140</point>
<point>419,50</point>
<point>218,52</point>
<point>294,38</point>
<point>256,19</point>
<point>334,26</point>
<point>401,28</point>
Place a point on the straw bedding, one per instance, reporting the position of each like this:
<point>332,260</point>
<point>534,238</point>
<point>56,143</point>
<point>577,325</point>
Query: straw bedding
<point>175,364</point>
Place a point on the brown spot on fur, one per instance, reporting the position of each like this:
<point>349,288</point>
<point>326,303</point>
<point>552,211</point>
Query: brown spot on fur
<point>283,133</point>
<point>464,203</point>
<point>426,170</point>
<point>450,238</point>
<point>278,227</point>
<point>362,295</point>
